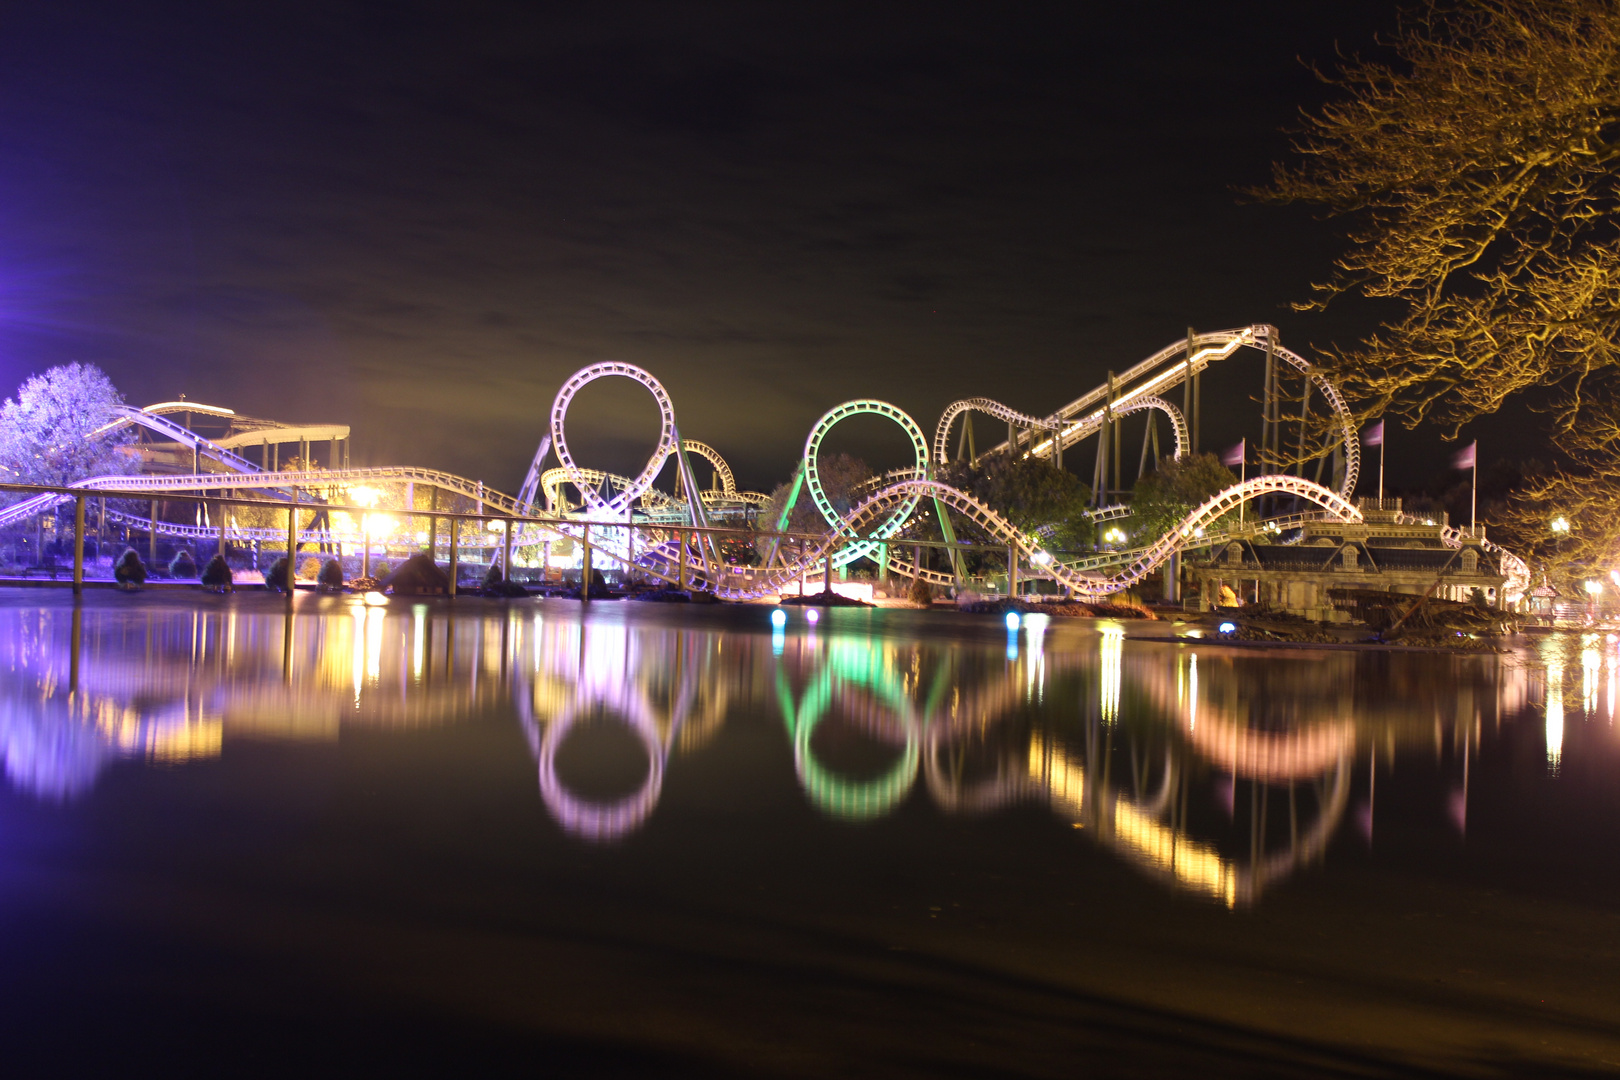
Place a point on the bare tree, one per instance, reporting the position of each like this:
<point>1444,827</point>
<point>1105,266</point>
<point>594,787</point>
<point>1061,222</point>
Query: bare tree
<point>1477,171</point>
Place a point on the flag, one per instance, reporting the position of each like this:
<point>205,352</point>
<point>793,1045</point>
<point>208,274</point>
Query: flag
<point>1234,456</point>
<point>1467,457</point>
<point>1374,435</point>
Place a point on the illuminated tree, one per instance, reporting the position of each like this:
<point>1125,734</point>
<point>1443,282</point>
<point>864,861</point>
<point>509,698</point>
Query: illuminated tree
<point>1031,493</point>
<point>1479,171</point>
<point>47,432</point>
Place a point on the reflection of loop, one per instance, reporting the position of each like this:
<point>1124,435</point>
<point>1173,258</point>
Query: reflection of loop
<point>666,435</point>
<point>851,799</point>
<point>602,821</point>
<point>812,471</point>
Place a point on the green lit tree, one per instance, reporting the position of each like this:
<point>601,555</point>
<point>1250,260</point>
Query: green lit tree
<point>1164,497</point>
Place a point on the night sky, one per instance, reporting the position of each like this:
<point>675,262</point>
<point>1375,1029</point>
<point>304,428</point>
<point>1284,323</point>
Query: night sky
<point>419,219</point>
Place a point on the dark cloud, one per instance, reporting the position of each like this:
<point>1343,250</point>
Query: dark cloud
<point>419,219</point>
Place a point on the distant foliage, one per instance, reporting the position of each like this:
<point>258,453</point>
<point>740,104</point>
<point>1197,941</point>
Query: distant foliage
<point>1162,498</point>
<point>843,478</point>
<point>45,430</point>
<point>182,567</point>
<point>1031,493</point>
<point>129,569</point>
<point>309,569</point>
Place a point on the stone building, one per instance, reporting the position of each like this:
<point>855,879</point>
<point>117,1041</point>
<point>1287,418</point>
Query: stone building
<point>1293,572</point>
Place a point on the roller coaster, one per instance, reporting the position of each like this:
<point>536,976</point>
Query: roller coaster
<point>684,544</point>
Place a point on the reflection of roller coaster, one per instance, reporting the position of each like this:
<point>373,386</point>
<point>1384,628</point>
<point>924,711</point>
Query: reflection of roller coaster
<point>869,529</point>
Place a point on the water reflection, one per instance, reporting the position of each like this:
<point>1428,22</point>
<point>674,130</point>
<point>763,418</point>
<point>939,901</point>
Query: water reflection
<point>1219,771</point>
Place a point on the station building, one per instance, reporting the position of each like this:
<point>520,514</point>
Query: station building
<point>1386,551</point>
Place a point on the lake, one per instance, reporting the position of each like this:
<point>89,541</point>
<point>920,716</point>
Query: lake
<point>639,839</point>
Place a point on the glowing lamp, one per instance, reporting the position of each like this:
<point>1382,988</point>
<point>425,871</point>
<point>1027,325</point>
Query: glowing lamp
<point>778,618</point>
<point>812,616</point>
<point>1559,525</point>
<point>1012,620</point>
<point>1227,628</point>
<point>1594,587</point>
<point>1040,558</point>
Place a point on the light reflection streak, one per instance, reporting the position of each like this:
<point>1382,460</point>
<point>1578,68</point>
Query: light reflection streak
<point>1112,657</point>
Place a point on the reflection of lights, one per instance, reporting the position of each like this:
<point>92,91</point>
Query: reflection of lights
<point>1012,620</point>
<point>1035,630</point>
<point>375,599</point>
<point>1192,693</point>
<point>812,616</point>
<point>778,638</point>
<point>374,624</point>
<point>1591,661</point>
<point>1112,655</point>
<point>778,618</point>
<point>418,640</point>
<point>1555,717</point>
<point>1227,628</point>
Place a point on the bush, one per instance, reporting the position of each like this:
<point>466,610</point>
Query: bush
<point>331,576</point>
<point>276,576</point>
<point>921,593</point>
<point>309,569</point>
<point>380,569</point>
<point>495,583</point>
<point>182,565</point>
<point>217,574</point>
<point>130,570</point>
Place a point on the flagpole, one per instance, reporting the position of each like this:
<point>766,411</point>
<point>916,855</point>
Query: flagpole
<point>1243,474</point>
<point>1382,434</point>
<point>1473,491</point>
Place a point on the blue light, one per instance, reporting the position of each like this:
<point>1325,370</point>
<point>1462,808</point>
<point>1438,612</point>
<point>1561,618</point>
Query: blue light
<point>1227,628</point>
<point>1012,620</point>
<point>778,618</point>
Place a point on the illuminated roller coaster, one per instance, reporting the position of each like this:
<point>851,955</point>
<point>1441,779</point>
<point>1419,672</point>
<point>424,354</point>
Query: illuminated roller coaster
<point>868,530</point>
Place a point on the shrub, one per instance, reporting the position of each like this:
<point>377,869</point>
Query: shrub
<point>331,576</point>
<point>921,593</point>
<point>182,565</point>
<point>276,576</point>
<point>309,569</point>
<point>217,574</point>
<point>130,570</point>
<point>380,569</point>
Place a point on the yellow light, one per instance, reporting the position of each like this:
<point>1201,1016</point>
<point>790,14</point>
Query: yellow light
<point>364,496</point>
<point>378,526</point>
<point>1594,587</point>
<point>375,599</point>
<point>1560,525</point>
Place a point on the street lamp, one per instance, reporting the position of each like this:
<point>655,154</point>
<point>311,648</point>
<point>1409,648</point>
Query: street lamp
<point>1560,525</point>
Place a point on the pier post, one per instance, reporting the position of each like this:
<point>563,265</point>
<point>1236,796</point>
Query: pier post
<point>78,544</point>
<point>506,552</point>
<point>1012,570</point>
<point>455,554</point>
<point>585,563</point>
<point>680,573</point>
<point>292,546</point>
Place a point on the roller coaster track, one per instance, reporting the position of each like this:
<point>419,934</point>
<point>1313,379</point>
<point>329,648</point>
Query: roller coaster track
<point>1124,407</point>
<point>1165,369</point>
<point>861,532</point>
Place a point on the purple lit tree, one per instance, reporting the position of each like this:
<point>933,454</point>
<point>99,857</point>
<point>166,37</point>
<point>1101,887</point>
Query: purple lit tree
<point>50,433</point>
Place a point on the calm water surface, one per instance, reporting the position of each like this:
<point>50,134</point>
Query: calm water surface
<point>644,840</point>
